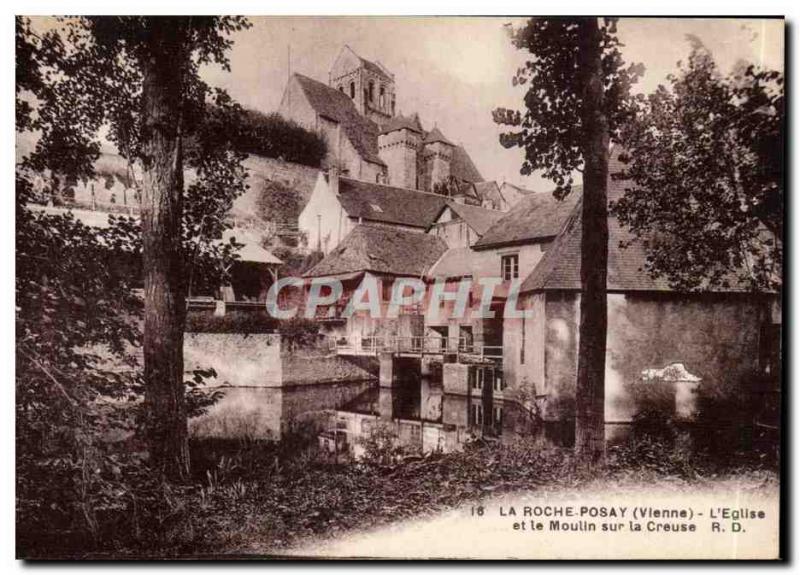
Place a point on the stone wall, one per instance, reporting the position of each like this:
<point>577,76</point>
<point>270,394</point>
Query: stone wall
<point>267,391</point>
<point>715,338</point>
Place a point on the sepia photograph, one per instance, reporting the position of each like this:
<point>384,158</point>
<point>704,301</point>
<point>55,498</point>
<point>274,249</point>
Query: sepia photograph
<point>394,287</point>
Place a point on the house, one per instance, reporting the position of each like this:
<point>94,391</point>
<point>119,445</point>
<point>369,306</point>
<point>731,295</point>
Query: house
<point>461,225</point>
<point>337,205</point>
<point>483,194</point>
<point>383,254</point>
<point>509,244</point>
<point>686,355</point>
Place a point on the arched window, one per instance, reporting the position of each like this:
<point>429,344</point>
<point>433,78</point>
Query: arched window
<point>353,90</point>
<point>371,91</point>
<point>341,89</point>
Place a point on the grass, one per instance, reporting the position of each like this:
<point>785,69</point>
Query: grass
<point>251,498</point>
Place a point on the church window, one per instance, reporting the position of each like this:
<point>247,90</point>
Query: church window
<point>353,90</point>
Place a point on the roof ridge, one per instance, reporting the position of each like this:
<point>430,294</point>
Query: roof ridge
<point>377,185</point>
<point>479,207</point>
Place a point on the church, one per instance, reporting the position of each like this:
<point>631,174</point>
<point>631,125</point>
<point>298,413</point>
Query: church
<point>367,139</point>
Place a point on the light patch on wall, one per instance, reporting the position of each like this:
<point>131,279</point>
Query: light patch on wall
<point>559,328</point>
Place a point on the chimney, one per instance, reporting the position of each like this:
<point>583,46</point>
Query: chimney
<point>333,180</point>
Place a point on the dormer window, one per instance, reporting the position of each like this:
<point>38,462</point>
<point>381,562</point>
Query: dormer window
<point>352,90</point>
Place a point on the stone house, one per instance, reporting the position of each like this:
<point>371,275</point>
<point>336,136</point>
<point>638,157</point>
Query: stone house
<point>717,340</point>
<point>367,139</point>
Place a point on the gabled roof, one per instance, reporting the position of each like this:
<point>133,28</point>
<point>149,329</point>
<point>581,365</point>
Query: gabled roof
<point>251,251</point>
<point>387,204</point>
<point>436,135</point>
<point>381,249</point>
<point>399,122</point>
<point>462,167</point>
<point>520,190</point>
<point>454,263</point>
<point>534,218</point>
<point>560,267</point>
<point>335,105</point>
<point>478,218</point>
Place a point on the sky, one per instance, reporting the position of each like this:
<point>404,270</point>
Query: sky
<point>453,71</point>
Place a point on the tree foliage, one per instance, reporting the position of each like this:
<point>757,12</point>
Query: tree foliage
<point>705,159</point>
<point>78,308</point>
<point>550,128</point>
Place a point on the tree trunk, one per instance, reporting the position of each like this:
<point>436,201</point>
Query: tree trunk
<point>590,392</point>
<point>161,209</point>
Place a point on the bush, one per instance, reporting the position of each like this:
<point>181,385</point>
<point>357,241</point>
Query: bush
<point>380,445</point>
<point>231,322</point>
<point>298,333</point>
<point>273,136</point>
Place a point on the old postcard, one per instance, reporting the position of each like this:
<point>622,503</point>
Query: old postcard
<point>394,287</point>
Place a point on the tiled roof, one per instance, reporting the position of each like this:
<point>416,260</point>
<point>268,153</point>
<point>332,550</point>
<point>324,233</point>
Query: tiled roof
<point>478,218</point>
<point>535,217</point>
<point>454,263</point>
<point>462,168</point>
<point>436,135</point>
<point>335,105</point>
<point>399,122</point>
<point>381,249</point>
<point>251,251</point>
<point>560,267</point>
<point>387,204</point>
